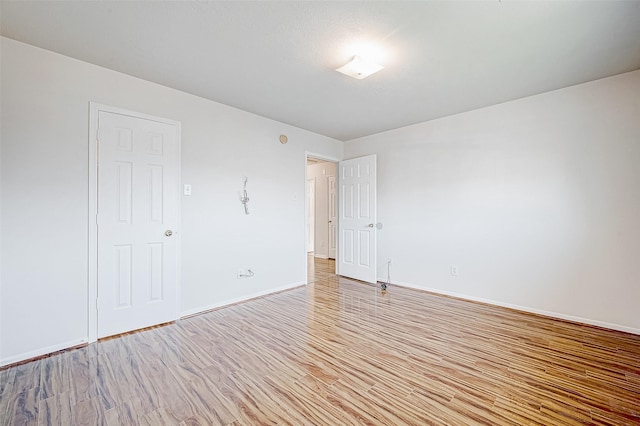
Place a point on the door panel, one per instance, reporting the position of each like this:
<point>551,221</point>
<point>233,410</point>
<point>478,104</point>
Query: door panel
<point>333,210</point>
<point>357,218</point>
<point>138,184</point>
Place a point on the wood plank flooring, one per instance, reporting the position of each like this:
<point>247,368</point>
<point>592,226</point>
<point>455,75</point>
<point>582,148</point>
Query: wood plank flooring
<point>338,352</point>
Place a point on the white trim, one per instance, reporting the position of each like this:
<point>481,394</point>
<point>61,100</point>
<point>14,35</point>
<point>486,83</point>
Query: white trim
<point>549,314</point>
<point>42,351</point>
<point>307,202</point>
<point>321,256</point>
<point>92,250</point>
<point>241,299</point>
<point>322,157</point>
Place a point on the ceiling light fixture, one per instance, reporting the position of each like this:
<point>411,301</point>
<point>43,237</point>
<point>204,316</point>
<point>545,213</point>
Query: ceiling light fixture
<point>359,68</point>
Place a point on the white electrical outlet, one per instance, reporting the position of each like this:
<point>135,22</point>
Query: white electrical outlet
<point>454,270</point>
<point>245,273</point>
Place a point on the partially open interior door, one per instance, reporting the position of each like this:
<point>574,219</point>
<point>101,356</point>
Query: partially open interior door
<point>357,218</point>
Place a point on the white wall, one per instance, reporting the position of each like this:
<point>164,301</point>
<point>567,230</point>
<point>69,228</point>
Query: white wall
<point>45,122</point>
<point>536,201</point>
<point>320,172</point>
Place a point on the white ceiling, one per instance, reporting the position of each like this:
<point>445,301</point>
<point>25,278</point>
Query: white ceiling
<point>277,59</point>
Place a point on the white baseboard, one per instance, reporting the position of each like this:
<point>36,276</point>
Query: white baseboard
<point>321,256</point>
<point>66,345</point>
<point>228,302</point>
<point>40,352</point>
<point>550,314</point>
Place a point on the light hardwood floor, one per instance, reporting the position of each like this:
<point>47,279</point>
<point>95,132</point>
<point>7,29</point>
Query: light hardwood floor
<point>338,352</point>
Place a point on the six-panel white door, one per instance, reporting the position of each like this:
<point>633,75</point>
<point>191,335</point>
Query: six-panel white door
<point>357,219</point>
<point>138,188</point>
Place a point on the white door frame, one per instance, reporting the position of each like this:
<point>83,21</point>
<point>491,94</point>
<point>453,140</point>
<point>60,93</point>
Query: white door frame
<point>92,279</point>
<point>311,204</point>
<point>333,219</point>
<point>308,154</point>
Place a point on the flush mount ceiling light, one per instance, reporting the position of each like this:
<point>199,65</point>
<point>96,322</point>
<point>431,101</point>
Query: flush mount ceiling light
<point>359,68</point>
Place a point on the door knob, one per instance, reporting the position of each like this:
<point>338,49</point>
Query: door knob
<point>168,232</point>
<point>371,225</point>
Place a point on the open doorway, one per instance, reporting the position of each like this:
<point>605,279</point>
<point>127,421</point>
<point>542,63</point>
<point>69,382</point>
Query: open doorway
<point>344,226</point>
<point>321,209</point>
